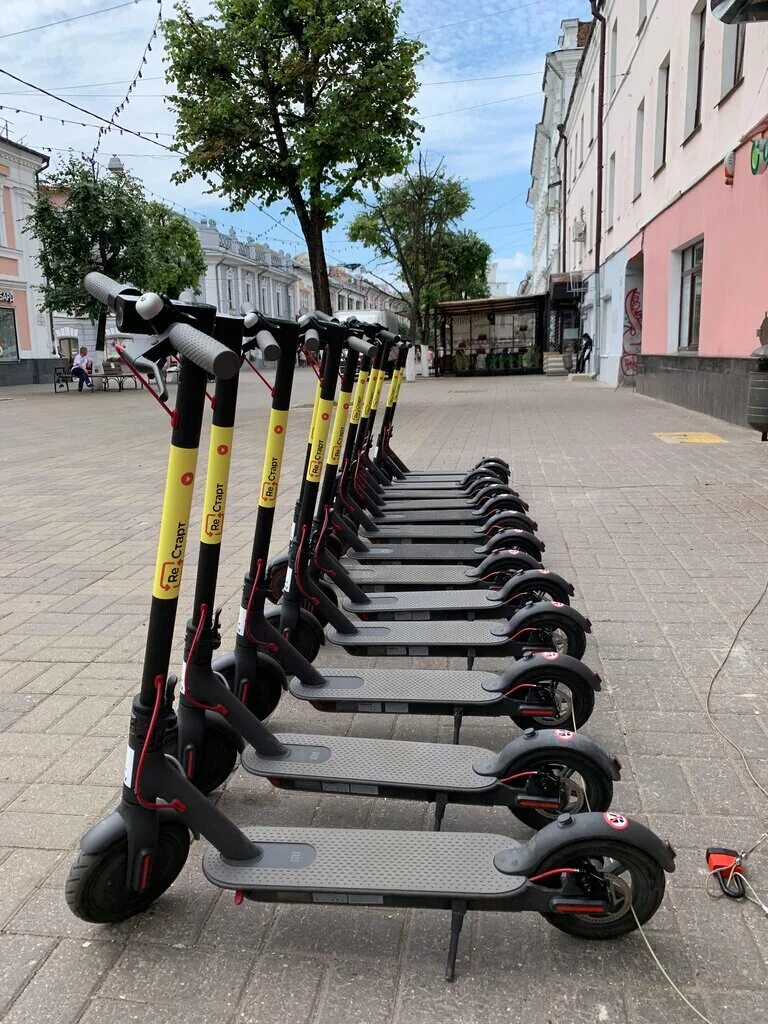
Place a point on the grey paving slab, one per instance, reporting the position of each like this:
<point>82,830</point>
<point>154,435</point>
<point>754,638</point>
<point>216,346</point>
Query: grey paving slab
<point>667,550</point>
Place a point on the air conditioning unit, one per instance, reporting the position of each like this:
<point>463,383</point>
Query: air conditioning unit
<point>579,231</point>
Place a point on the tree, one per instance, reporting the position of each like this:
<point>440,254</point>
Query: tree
<point>409,224</point>
<point>304,100</point>
<point>464,266</point>
<point>88,221</point>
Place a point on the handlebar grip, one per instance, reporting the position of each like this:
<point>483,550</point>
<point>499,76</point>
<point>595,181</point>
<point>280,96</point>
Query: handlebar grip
<point>311,340</point>
<point>247,307</point>
<point>209,355</point>
<point>317,315</point>
<point>360,345</point>
<point>268,347</point>
<point>387,336</point>
<point>104,289</point>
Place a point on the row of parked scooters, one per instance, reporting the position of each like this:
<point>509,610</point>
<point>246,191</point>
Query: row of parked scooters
<point>383,561</point>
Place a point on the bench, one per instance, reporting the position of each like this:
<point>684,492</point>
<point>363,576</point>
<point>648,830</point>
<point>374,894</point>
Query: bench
<point>111,374</point>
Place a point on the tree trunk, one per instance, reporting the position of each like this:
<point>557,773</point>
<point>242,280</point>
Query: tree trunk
<point>317,263</point>
<point>101,330</point>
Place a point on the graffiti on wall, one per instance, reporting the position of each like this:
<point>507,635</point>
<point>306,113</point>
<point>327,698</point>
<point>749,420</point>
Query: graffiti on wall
<point>633,332</point>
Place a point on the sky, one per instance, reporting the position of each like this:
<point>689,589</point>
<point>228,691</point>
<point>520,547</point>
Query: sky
<point>479,100</point>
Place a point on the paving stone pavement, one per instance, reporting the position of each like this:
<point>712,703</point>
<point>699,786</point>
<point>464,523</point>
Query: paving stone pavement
<point>667,547</point>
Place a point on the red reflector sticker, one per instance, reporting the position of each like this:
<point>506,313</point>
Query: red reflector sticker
<point>564,734</point>
<point>617,821</point>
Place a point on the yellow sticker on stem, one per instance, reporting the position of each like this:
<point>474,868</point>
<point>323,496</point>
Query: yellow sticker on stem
<point>358,400</point>
<point>319,440</point>
<point>216,482</point>
<point>177,504</point>
<point>273,458</point>
<point>339,425</point>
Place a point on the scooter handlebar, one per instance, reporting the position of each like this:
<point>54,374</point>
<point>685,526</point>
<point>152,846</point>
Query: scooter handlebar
<point>267,344</point>
<point>311,339</point>
<point>387,336</point>
<point>209,355</point>
<point>104,289</point>
<point>359,345</point>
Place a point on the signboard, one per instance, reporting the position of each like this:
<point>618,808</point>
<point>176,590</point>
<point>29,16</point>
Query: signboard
<point>6,297</point>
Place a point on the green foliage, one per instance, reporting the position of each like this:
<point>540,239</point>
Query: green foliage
<point>86,221</point>
<point>304,100</point>
<point>411,224</point>
<point>464,266</point>
<point>176,256</point>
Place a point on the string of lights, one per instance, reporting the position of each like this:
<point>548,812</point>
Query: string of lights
<point>133,82</point>
<point>149,137</point>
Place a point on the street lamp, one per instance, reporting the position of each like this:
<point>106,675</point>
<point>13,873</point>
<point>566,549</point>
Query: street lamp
<point>116,166</point>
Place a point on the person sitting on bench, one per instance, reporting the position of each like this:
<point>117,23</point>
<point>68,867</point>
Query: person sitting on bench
<point>81,364</point>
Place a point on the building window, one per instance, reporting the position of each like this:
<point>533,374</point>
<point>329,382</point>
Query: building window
<point>278,301</point>
<point>611,191</point>
<point>639,133</point>
<point>734,40</point>
<point>592,113</point>
<point>230,293</point>
<point>358,304</point>
<point>642,13</point>
<point>613,65</point>
<point>581,142</point>
<point>662,117</point>
<point>696,53</point>
<point>9,342</point>
<point>690,295</point>
<point>264,299</point>
<point>591,224</point>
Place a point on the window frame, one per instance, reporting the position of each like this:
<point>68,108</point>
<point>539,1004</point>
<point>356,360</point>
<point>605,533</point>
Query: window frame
<point>637,187</point>
<point>662,115</point>
<point>8,340</point>
<point>693,274</point>
<point>701,48</point>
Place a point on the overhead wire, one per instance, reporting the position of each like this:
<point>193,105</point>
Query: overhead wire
<point>66,21</point>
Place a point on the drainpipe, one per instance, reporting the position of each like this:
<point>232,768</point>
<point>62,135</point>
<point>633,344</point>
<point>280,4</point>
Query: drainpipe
<point>564,196</point>
<point>595,4</point>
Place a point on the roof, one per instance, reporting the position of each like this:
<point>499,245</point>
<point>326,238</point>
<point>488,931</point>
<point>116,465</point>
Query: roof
<point>508,304</point>
<point>25,149</point>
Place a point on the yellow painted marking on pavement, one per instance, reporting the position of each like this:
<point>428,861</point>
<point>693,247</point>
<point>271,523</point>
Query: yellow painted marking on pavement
<point>691,437</point>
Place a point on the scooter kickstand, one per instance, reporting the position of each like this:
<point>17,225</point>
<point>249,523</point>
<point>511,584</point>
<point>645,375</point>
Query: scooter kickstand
<point>458,910</point>
<point>441,802</point>
<point>458,716</point>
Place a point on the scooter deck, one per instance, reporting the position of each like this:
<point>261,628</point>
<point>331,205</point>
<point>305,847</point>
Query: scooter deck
<point>468,554</point>
<point>344,764</point>
<point>427,534</point>
<point>410,576</point>
<point>421,603</point>
<point>458,499</point>
<point>422,504</point>
<point>360,866</point>
<point>420,639</point>
<point>445,515</point>
<point>388,690</point>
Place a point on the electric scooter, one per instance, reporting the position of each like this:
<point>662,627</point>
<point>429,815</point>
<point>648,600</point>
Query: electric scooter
<point>537,776</point>
<point>593,875</point>
<point>543,690</point>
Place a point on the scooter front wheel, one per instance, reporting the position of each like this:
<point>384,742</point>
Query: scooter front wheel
<point>217,758</point>
<point>632,880</point>
<point>580,785</point>
<point>96,888</point>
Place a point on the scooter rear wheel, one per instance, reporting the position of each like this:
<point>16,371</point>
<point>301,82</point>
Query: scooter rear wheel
<point>96,888</point>
<point>586,786</point>
<point>637,882</point>
<point>574,702</point>
<point>537,590</point>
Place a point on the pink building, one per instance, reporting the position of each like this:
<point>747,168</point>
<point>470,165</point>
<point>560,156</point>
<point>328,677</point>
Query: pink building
<point>661,237</point>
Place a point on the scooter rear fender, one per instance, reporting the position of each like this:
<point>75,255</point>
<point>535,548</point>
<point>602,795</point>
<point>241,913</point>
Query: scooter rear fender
<point>578,828</point>
<point>546,613</point>
<point>552,743</point>
<point>532,668</point>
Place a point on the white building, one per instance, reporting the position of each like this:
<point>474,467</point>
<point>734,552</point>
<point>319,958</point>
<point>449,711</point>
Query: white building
<point>498,289</point>
<point>544,193</point>
<point>25,333</point>
<point>677,277</point>
<point>240,272</point>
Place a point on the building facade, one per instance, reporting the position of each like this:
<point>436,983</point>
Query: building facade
<point>25,333</point>
<point>674,290</point>
<point>544,193</point>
